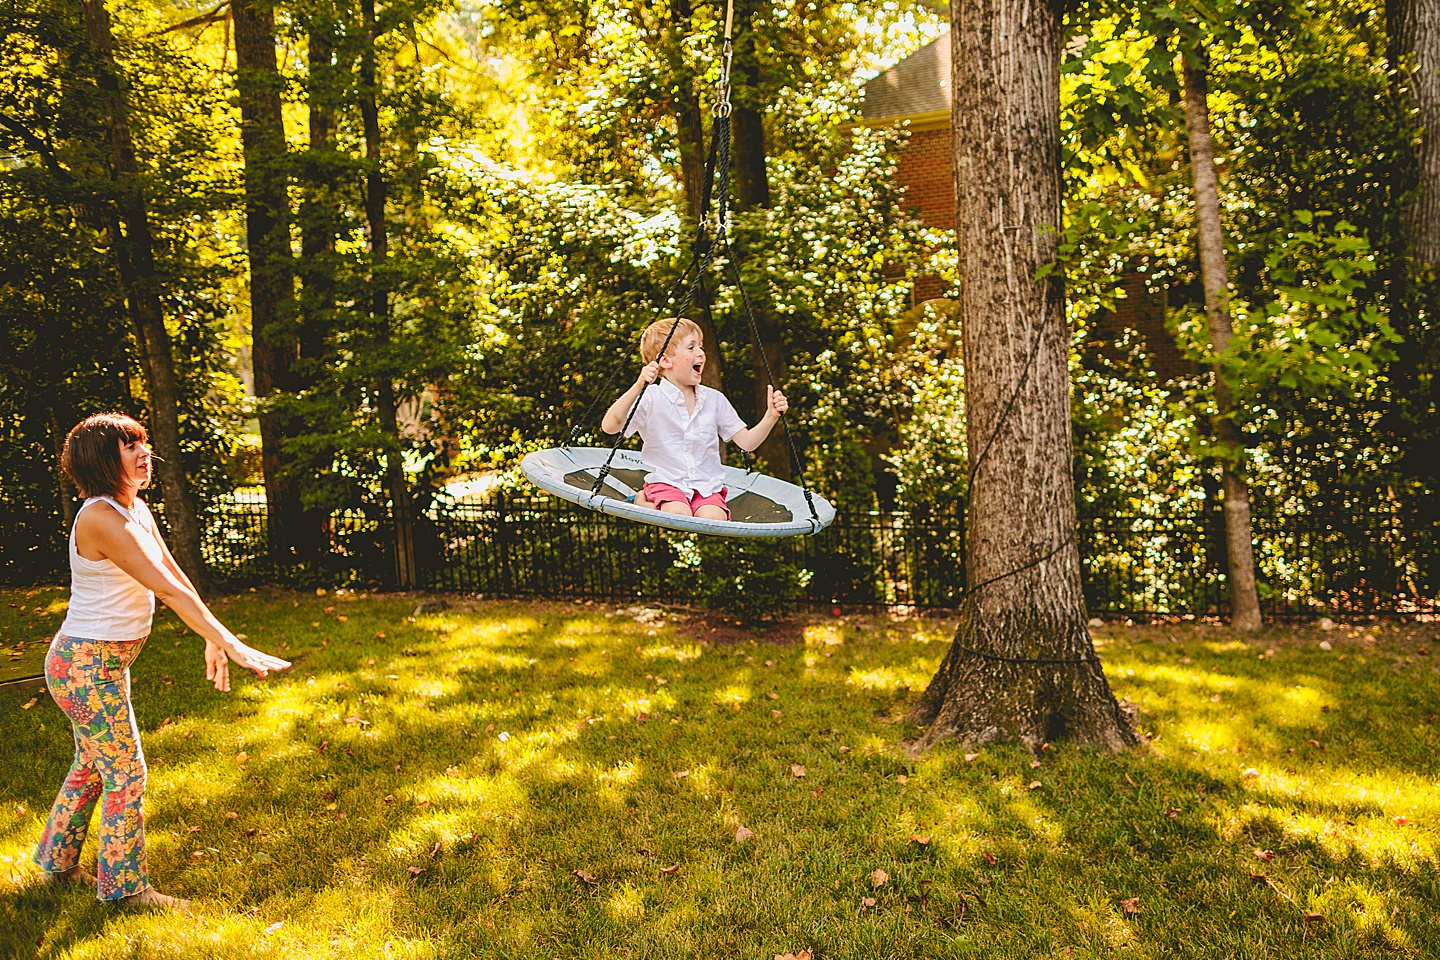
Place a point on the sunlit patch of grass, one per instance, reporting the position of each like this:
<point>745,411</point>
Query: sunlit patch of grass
<point>914,676</point>
<point>441,812</point>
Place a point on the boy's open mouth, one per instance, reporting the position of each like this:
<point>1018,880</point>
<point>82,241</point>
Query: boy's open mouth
<point>699,365</point>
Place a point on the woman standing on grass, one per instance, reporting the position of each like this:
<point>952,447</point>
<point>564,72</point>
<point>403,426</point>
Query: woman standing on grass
<point>118,566</point>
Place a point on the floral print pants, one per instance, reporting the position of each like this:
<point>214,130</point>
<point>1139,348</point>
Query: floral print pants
<point>90,681</point>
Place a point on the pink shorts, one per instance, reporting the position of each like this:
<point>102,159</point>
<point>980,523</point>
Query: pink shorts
<point>658,493</point>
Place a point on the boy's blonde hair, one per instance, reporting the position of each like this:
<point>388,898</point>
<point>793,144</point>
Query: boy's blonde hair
<point>656,333</point>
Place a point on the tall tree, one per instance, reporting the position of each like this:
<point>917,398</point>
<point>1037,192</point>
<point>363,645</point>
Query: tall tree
<point>402,518</point>
<point>1239,537</point>
<point>752,192</point>
<point>1022,666</point>
<point>1414,52</point>
<point>133,247</point>
<point>272,269</point>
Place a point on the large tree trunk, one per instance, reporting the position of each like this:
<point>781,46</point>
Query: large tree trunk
<point>67,491</point>
<point>406,572</point>
<point>319,225</point>
<point>1239,540</point>
<point>133,247</point>
<point>1022,667</point>
<point>690,124</point>
<point>272,270</point>
<point>1414,28</point>
<point>752,191</point>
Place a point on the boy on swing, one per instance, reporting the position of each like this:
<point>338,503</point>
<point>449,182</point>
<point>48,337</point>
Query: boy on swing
<point>682,422</point>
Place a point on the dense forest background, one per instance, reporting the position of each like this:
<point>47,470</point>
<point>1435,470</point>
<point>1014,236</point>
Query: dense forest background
<point>347,251</point>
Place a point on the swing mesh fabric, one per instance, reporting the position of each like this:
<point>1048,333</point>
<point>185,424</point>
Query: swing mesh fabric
<point>760,505</point>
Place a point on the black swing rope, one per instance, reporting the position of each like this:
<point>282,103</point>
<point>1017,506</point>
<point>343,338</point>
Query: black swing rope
<point>717,175</point>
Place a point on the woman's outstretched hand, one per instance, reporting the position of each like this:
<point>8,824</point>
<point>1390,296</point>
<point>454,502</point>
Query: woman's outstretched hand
<point>217,662</point>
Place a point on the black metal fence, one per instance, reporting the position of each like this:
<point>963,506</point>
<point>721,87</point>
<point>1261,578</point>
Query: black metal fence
<point>506,546</point>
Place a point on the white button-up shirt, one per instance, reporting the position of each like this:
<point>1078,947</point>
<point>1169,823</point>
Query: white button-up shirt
<point>681,448</point>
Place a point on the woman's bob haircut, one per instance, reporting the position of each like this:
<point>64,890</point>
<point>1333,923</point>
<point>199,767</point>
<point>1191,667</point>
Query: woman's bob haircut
<point>91,456</point>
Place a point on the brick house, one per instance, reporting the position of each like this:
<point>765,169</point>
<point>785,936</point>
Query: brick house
<point>916,92</point>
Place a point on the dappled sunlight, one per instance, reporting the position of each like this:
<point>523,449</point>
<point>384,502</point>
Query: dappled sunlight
<point>824,635</point>
<point>1368,912</point>
<point>913,676</point>
<point>447,806</point>
<point>732,694</point>
<point>679,653</point>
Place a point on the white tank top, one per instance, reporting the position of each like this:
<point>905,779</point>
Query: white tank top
<point>106,603</point>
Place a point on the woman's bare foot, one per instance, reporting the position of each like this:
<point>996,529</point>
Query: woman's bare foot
<point>73,875</point>
<point>152,899</point>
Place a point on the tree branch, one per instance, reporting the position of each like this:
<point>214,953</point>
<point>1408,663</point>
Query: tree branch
<point>37,144</point>
<point>217,13</point>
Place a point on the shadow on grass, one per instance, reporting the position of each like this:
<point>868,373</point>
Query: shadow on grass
<point>430,788</point>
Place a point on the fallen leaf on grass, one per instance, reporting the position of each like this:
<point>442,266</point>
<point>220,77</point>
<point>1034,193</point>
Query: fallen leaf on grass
<point>1313,917</point>
<point>231,815</point>
<point>1035,784</point>
<point>971,757</point>
<point>989,858</point>
<point>324,745</point>
<point>416,871</point>
<point>868,902</point>
<point>275,926</point>
<point>743,834</point>
<point>357,721</point>
<point>1172,812</point>
<point>844,749</point>
<point>435,851</point>
<point>797,769</point>
<point>1267,855</point>
<point>1259,879</point>
<point>681,774</point>
<point>1131,906</point>
<point>194,829</point>
<point>641,717</point>
<point>1034,764</point>
<point>773,695</point>
<point>775,713</point>
<point>584,876</point>
<point>241,757</point>
<point>802,955</point>
<point>670,871</point>
<point>452,771</point>
<point>920,838</point>
<point>1401,821</point>
<point>902,779</point>
<point>29,703</point>
<point>389,798</point>
<point>878,877</point>
<point>252,831</point>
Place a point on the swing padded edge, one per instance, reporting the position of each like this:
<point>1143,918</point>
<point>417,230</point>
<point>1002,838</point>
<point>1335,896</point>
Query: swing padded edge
<point>547,469</point>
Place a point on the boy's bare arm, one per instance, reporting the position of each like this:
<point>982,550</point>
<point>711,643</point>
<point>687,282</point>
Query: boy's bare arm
<point>751,437</point>
<point>614,418</point>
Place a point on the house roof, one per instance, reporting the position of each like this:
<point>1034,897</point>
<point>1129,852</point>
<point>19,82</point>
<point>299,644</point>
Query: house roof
<point>919,84</point>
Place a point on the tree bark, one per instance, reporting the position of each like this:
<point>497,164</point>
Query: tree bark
<point>1239,538</point>
<point>406,572</point>
<point>1414,53</point>
<point>275,345</point>
<point>133,246</point>
<point>1024,604</point>
<point>319,213</point>
<point>58,433</point>
<point>752,191</point>
<point>319,225</point>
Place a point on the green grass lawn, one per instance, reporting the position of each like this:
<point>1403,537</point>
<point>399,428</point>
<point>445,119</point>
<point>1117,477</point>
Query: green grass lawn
<point>549,780</point>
